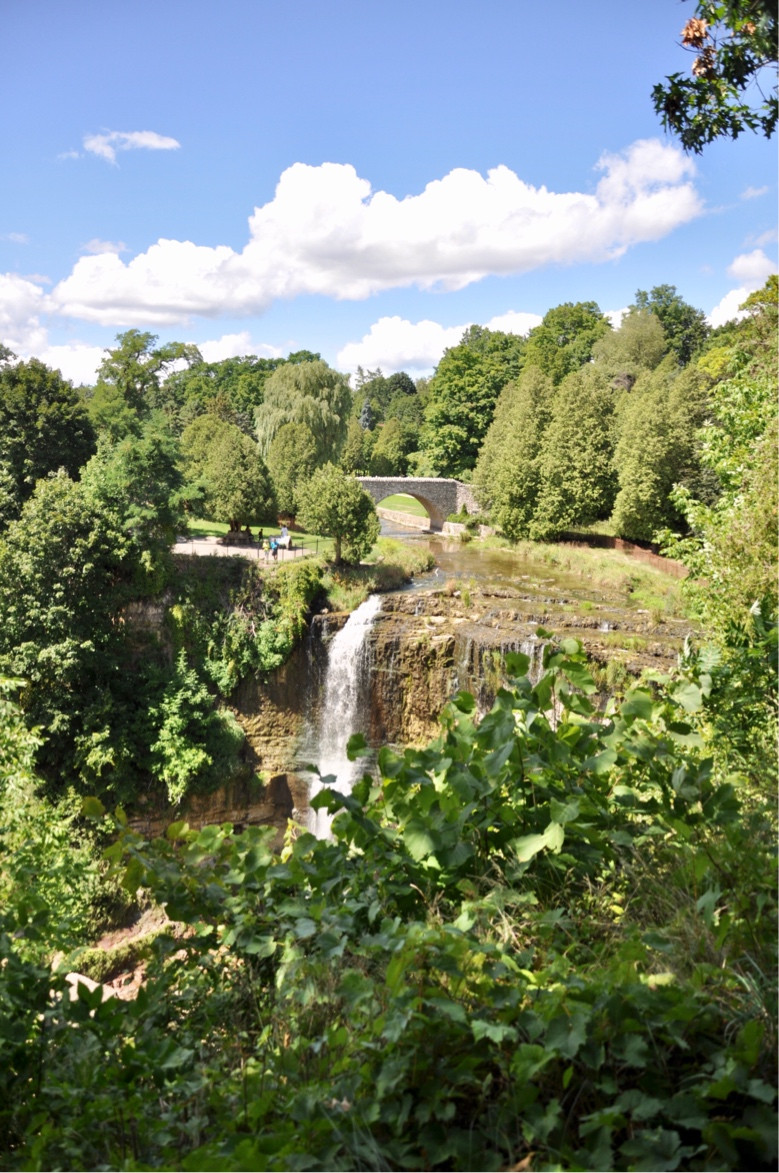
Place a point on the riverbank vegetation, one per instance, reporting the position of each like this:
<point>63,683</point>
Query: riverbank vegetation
<point>545,940</point>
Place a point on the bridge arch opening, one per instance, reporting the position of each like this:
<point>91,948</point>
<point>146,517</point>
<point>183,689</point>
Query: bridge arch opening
<point>406,508</point>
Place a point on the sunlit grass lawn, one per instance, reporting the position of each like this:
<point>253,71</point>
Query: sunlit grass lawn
<point>404,504</point>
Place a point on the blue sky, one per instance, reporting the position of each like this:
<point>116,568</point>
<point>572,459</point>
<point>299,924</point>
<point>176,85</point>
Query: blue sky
<point>359,179</point>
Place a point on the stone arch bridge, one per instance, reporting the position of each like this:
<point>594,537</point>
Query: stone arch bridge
<point>439,495</point>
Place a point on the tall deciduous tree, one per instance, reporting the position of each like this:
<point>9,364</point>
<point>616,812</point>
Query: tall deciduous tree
<point>564,340</point>
<point>732,87</point>
<point>391,449</point>
<point>310,393</point>
<point>43,427</point>
<point>129,378</point>
<point>63,566</point>
<point>232,388</point>
<point>462,397</point>
<point>685,327</point>
<point>639,344</point>
<point>139,483</point>
<point>336,506</point>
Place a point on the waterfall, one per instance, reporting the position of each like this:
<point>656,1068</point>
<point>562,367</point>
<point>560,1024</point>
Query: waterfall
<point>342,709</point>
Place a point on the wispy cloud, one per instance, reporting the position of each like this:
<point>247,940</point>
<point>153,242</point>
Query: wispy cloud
<point>326,232</point>
<point>753,193</point>
<point>16,237</point>
<point>106,145</point>
<point>97,247</point>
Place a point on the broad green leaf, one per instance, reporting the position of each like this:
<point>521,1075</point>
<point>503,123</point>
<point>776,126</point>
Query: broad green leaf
<point>418,840</point>
<point>527,846</point>
<point>517,664</point>
<point>689,696</point>
<point>92,808</point>
<point>638,704</point>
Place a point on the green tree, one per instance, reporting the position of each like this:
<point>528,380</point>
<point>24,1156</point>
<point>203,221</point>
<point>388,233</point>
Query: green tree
<point>733,548</point>
<point>43,427</point>
<point>129,380</point>
<point>462,397</point>
<point>336,506</point>
<point>638,345</point>
<point>576,475</point>
<point>308,393</point>
<point>236,484</point>
<point>733,84</point>
<point>139,483</point>
<point>391,449</point>
<point>564,340</point>
<point>355,457</point>
<point>65,570</point>
<point>507,473</point>
<point>291,461</point>
<point>232,388</point>
<point>685,327</point>
<point>657,449</point>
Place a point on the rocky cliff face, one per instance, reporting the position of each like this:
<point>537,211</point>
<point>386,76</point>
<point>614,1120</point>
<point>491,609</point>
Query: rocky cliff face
<point>424,646</point>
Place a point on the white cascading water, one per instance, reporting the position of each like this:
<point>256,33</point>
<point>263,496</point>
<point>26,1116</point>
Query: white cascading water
<point>345,687</point>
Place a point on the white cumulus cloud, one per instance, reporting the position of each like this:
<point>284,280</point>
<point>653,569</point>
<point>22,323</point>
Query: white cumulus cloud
<point>77,361</point>
<point>396,344</point>
<point>235,346</point>
<point>752,270</point>
<point>21,303</point>
<point>326,232</point>
<point>106,145</point>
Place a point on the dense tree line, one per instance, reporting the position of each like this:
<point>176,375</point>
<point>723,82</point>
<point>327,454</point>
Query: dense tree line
<point>547,938</point>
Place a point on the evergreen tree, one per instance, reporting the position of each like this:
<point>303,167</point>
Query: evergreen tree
<point>577,482</point>
<point>235,481</point>
<point>507,474</point>
<point>336,506</point>
<point>291,461</point>
<point>356,451</point>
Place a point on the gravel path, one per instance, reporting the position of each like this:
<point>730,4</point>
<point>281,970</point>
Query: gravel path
<point>213,547</point>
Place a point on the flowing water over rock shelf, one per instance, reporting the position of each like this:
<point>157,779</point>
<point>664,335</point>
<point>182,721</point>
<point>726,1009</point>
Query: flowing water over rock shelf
<point>343,709</point>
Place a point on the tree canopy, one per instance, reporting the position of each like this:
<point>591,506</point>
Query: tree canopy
<point>227,464</point>
<point>733,84</point>
<point>462,396</point>
<point>309,393</point>
<point>43,427</point>
<point>336,506</point>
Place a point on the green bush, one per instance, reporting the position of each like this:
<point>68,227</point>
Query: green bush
<point>546,938</point>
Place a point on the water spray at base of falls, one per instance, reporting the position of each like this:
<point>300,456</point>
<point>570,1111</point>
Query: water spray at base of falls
<point>343,708</point>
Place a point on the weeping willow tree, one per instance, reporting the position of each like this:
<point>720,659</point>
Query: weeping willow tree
<point>309,393</point>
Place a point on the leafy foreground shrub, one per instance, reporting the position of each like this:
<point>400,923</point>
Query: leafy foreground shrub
<point>538,943</point>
